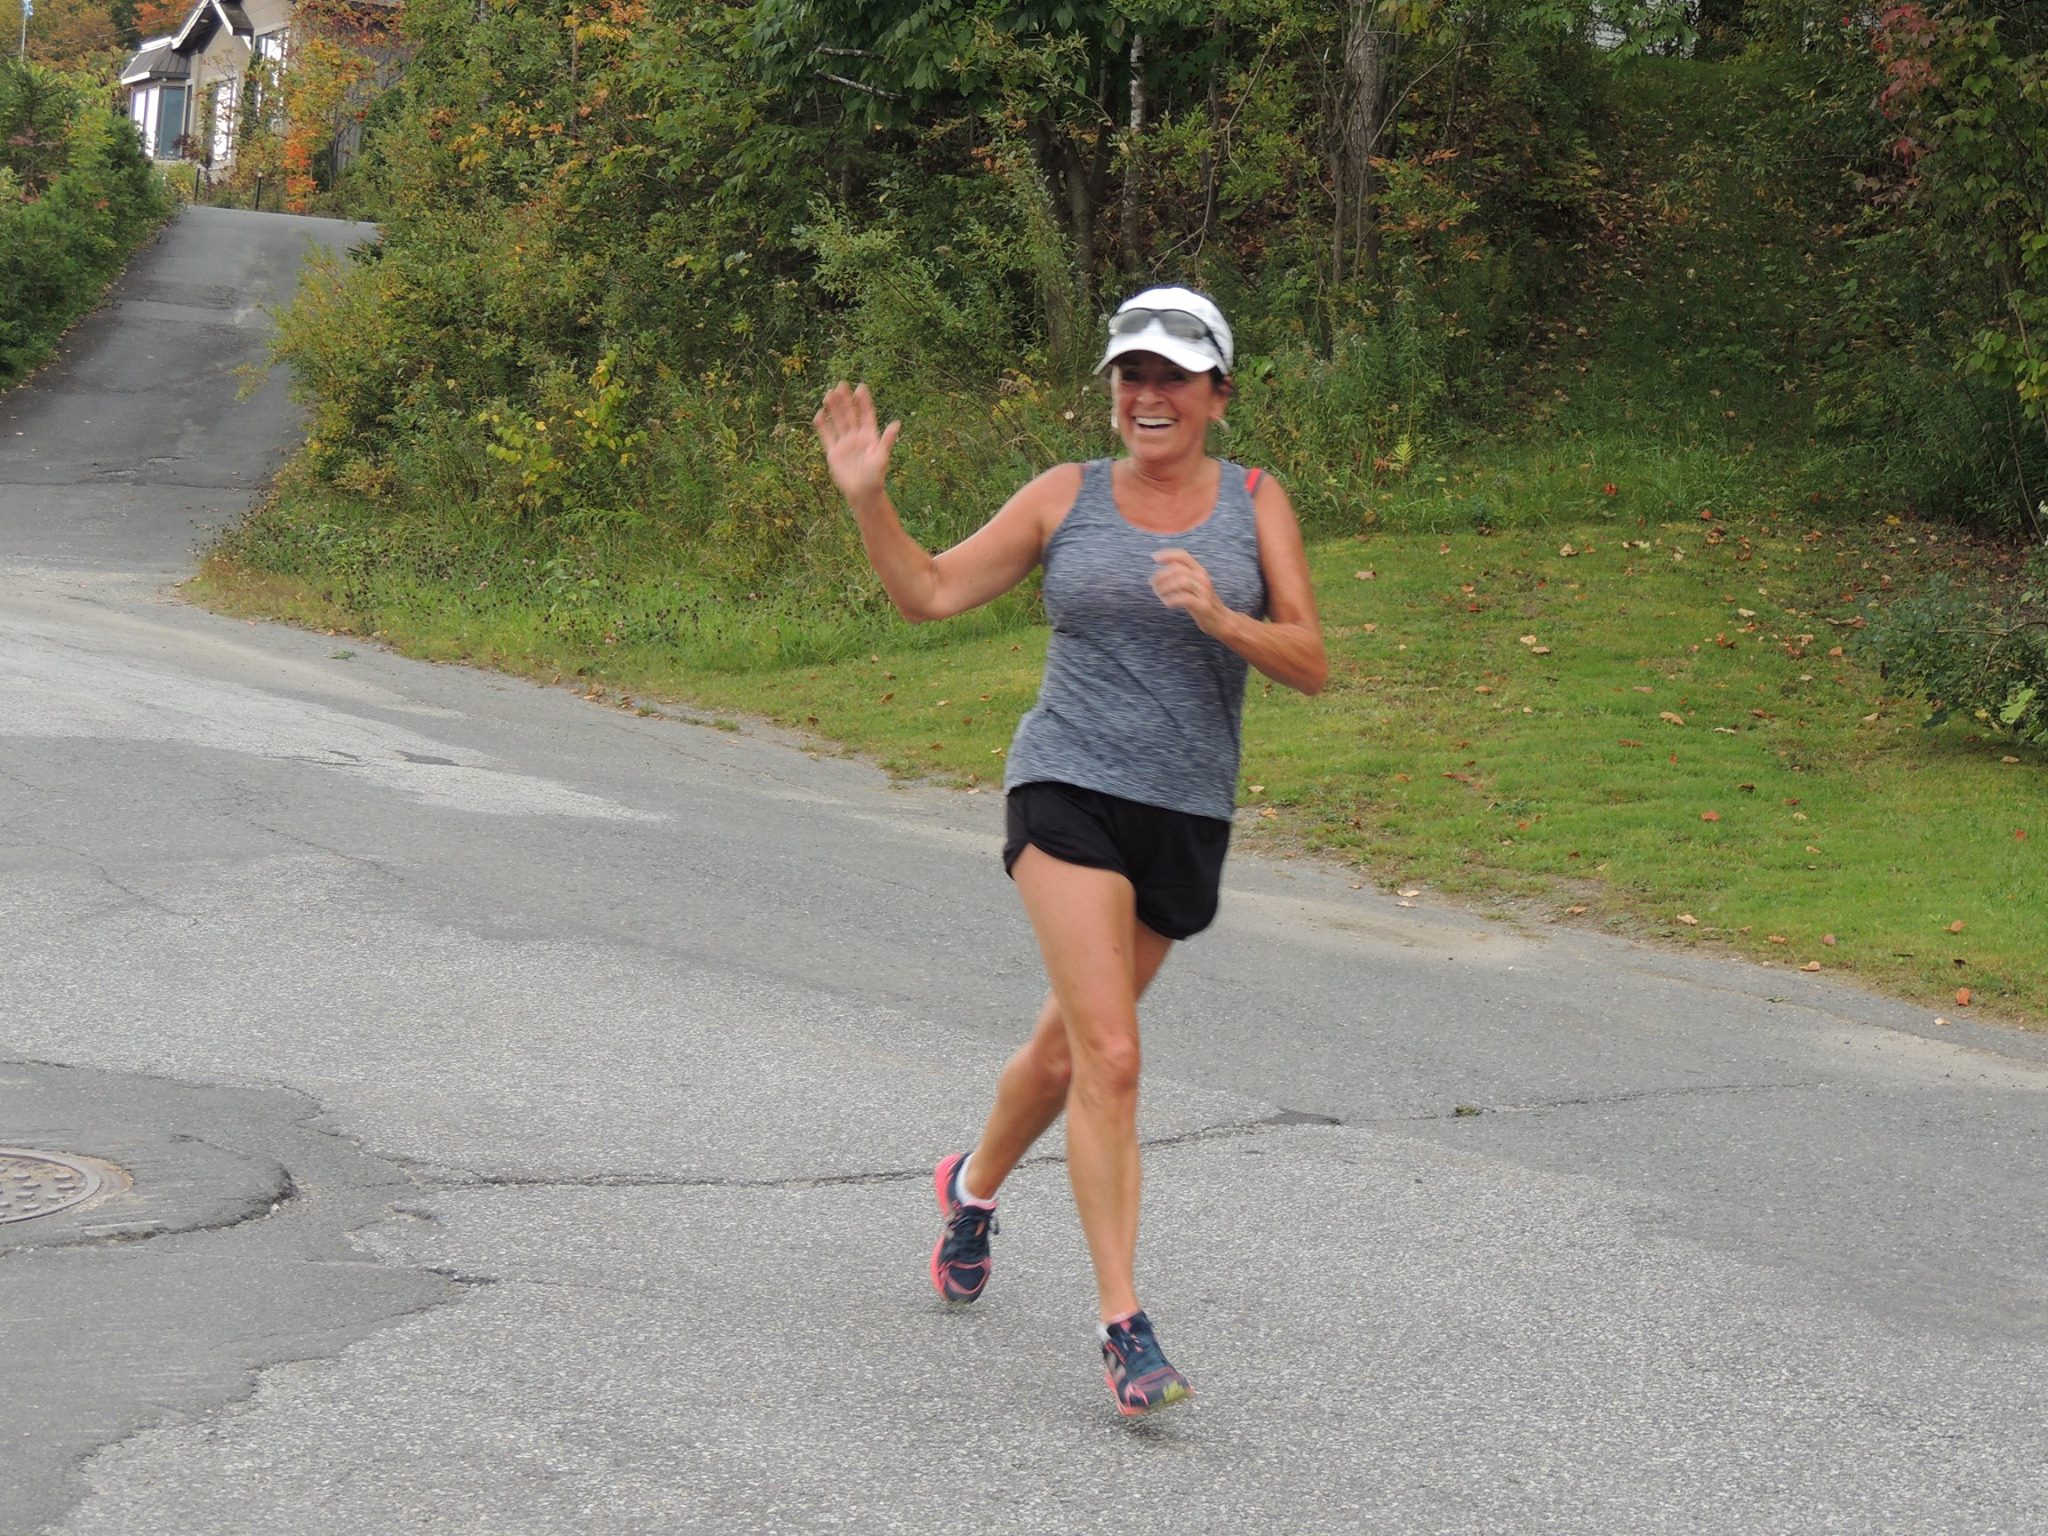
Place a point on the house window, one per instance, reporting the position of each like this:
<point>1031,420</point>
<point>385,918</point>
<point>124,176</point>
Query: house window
<point>159,114</point>
<point>170,121</point>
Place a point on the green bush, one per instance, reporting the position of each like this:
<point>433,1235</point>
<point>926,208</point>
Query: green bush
<point>1982,658</point>
<point>76,197</point>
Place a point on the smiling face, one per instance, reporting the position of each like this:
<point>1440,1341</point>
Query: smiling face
<point>1161,410</point>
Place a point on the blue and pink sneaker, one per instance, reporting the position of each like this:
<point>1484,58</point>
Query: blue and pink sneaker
<point>960,1261</point>
<point>1138,1374</point>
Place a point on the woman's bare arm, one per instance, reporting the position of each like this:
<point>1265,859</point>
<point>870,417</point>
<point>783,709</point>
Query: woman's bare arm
<point>1288,645</point>
<point>924,586</point>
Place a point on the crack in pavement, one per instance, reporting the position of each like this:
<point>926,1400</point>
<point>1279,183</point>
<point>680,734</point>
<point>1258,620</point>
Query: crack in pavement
<point>1590,1101</point>
<point>135,898</point>
<point>442,1178</point>
<point>301,840</point>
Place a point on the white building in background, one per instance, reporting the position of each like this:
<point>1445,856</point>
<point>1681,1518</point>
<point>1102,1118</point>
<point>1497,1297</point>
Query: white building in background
<point>171,79</point>
<point>204,70</point>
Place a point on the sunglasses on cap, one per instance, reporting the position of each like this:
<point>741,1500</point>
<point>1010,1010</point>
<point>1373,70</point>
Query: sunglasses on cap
<point>1177,323</point>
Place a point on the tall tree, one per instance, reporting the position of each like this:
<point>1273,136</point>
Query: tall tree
<point>1369,48</point>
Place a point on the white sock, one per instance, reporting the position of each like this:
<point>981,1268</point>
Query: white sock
<point>966,1195</point>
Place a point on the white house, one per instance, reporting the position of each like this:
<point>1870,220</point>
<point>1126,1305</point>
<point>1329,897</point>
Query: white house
<point>204,70</point>
<point>170,78</point>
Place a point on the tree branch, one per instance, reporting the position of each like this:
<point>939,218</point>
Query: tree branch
<point>855,85</point>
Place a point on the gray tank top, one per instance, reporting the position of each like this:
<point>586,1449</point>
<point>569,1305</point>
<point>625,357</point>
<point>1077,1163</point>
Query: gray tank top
<point>1137,702</point>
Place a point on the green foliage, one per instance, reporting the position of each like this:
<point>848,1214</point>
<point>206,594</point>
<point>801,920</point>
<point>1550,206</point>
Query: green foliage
<point>1982,658</point>
<point>76,196</point>
<point>571,461</point>
<point>1938,365</point>
<point>624,251</point>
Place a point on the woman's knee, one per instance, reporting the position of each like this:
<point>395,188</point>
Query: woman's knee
<point>1106,1065</point>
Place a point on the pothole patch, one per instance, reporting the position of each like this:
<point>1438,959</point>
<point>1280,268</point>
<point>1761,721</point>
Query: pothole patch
<point>36,1183</point>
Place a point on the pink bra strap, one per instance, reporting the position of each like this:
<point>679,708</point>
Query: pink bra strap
<point>1251,481</point>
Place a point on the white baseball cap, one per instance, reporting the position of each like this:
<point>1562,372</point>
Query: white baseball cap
<point>1182,326</point>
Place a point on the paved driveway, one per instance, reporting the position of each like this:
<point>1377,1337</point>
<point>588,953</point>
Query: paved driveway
<point>529,1107</point>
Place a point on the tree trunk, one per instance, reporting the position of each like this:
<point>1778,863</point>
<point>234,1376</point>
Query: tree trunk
<point>1368,57</point>
<point>1212,159</point>
<point>1134,162</point>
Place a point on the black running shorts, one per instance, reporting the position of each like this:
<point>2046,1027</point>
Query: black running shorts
<point>1173,859</point>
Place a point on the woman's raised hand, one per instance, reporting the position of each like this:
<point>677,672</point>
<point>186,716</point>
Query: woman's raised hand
<point>855,452</point>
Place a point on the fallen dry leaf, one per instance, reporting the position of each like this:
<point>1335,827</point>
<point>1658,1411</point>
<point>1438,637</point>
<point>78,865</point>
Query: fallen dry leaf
<point>1528,640</point>
<point>1670,717</point>
<point>1962,997</point>
<point>1363,575</point>
<point>1776,938</point>
<point>1539,650</point>
<point>1567,552</point>
<point>1942,1022</point>
<point>1956,926</point>
<point>1575,911</point>
<point>1688,919</point>
<point>1416,892</point>
<point>1828,939</point>
<point>1710,815</point>
<point>1811,965</point>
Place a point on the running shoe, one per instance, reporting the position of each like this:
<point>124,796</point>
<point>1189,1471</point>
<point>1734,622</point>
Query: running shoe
<point>960,1261</point>
<point>1138,1374</point>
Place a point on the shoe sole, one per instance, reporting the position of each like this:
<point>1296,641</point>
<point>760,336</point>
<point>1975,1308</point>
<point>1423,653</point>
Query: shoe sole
<point>942,1180</point>
<point>1174,1395</point>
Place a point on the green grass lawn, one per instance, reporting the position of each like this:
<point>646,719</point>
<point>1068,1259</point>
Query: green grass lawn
<point>1664,730</point>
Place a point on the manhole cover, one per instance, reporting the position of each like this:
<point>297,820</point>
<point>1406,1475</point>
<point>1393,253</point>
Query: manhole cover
<point>42,1183</point>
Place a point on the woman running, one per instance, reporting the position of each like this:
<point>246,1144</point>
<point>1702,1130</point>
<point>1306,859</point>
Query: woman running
<point>1167,572</point>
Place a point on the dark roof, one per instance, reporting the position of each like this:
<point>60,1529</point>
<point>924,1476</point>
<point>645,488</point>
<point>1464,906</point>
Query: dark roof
<point>206,16</point>
<point>156,62</point>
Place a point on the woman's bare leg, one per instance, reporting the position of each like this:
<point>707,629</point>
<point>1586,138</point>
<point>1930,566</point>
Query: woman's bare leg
<point>1032,1092</point>
<point>1087,926</point>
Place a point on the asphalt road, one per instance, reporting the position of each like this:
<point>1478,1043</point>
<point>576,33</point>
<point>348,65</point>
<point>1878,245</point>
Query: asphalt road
<point>530,1106</point>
